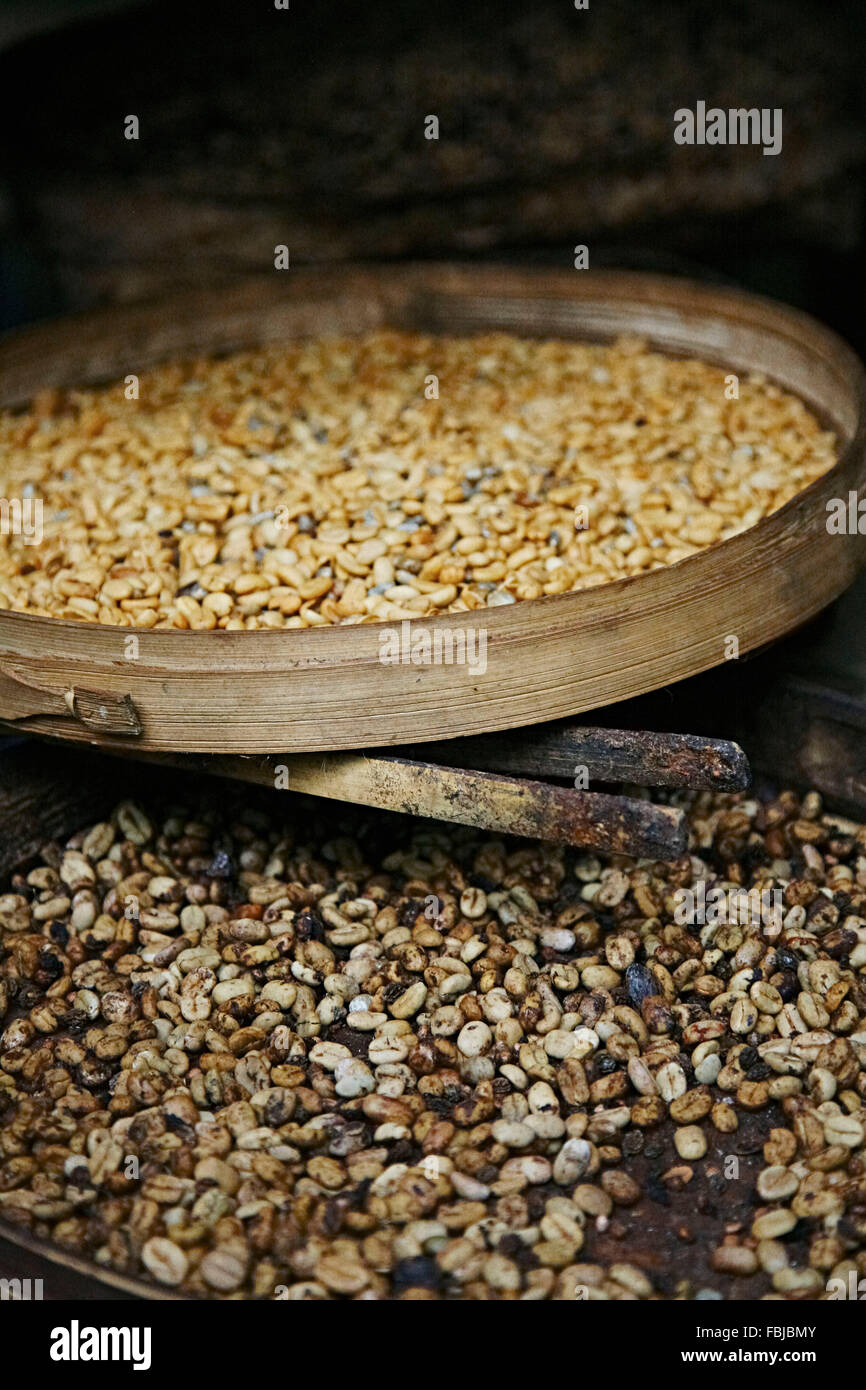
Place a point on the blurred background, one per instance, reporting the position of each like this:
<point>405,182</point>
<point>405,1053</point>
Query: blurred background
<point>305,126</point>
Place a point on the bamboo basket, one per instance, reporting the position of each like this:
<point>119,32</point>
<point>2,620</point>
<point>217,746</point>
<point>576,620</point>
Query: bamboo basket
<point>326,689</point>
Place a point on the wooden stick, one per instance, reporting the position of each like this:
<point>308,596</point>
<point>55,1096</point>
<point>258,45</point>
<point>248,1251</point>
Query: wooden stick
<point>645,759</point>
<point>507,805</point>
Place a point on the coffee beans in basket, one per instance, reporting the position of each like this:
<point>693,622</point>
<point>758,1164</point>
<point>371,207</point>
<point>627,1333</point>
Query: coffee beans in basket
<point>387,477</point>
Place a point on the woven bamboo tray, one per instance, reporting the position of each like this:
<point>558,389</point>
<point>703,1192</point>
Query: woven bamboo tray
<point>326,689</point>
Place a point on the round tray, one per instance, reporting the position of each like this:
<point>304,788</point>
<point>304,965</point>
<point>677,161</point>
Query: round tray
<point>325,688</point>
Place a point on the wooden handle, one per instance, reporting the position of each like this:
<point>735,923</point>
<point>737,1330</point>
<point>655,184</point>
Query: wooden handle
<point>99,710</point>
<point>505,805</point>
<point>510,805</point>
<point>643,758</point>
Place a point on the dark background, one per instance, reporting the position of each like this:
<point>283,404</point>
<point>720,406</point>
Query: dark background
<point>306,127</point>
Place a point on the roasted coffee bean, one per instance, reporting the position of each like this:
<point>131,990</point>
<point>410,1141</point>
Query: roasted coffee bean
<point>641,983</point>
